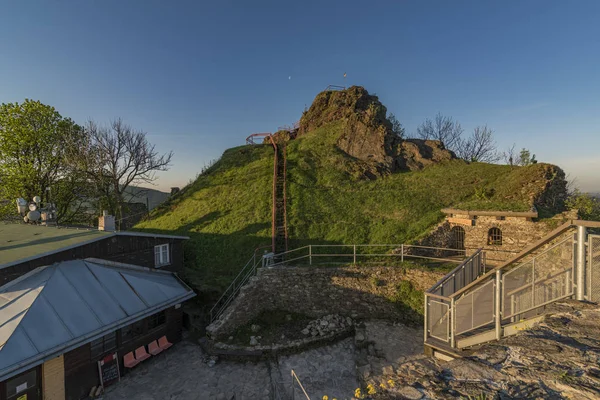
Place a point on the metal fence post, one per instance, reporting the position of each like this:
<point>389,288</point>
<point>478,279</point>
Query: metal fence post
<point>402,253</point>
<point>310,254</point>
<point>425,319</point>
<point>452,315</point>
<point>498,305</point>
<point>354,254</point>
<point>581,256</point>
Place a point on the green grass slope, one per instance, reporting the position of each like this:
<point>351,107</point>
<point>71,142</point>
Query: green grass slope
<point>226,213</point>
<point>227,210</point>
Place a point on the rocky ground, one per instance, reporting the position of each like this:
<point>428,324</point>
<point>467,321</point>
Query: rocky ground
<point>558,359</point>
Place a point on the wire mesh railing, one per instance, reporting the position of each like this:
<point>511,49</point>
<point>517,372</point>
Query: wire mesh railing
<point>468,271</point>
<point>465,303</point>
<point>539,281</point>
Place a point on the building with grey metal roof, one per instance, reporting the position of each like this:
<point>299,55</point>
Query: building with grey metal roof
<point>24,247</point>
<point>58,308</point>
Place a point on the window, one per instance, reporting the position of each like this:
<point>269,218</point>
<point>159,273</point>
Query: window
<point>132,331</point>
<point>161,255</point>
<point>156,320</point>
<point>495,237</point>
<point>103,345</point>
<point>20,384</point>
<point>458,238</point>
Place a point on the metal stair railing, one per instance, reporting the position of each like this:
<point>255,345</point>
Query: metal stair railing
<point>503,300</point>
<point>248,271</point>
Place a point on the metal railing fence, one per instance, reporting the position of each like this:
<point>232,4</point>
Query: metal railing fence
<point>363,253</point>
<point>468,271</point>
<point>465,302</point>
<point>248,271</point>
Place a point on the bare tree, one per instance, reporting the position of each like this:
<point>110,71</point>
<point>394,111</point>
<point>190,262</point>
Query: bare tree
<point>441,128</point>
<point>115,157</point>
<point>479,147</point>
<point>510,156</point>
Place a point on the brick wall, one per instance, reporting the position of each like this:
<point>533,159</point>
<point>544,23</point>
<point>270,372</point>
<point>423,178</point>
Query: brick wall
<point>53,378</point>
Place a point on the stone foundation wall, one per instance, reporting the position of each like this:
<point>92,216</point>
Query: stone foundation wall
<point>517,234</point>
<point>357,292</point>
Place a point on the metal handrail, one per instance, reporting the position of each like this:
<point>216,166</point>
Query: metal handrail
<point>233,288</point>
<point>546,269</point>
<point>294,380</point>
<point>452,274</point>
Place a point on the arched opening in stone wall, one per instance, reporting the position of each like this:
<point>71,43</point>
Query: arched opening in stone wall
<point>457,239</point>
<point>494,237</point>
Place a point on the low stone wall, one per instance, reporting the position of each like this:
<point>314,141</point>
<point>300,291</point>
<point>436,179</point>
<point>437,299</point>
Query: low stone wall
<point>357,292</point>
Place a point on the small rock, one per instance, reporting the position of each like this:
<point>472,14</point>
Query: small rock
<point>255,328</point>
<point>288,317</point>
<point>359,336</point>
<point>230,337</point>
<point>253,341</point>
<point>211,363</point>
<point>410,393</point>
<point>305,331</point>
<point>388,370</point>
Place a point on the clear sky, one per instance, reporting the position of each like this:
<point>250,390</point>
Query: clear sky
<point>200,76</point>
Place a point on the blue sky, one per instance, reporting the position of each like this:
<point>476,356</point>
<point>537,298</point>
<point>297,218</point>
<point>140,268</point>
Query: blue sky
<point>200,76</point>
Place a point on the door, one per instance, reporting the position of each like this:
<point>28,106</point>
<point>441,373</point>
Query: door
<point>26,386</point>
<point>593,291</point>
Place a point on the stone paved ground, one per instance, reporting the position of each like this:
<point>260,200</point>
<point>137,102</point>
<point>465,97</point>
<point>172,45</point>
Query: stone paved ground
<point>181,373</point>
<point>329,370</point>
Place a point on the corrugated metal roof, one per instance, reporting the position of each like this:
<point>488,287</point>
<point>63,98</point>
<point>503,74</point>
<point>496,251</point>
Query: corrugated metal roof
<point>59,307</point>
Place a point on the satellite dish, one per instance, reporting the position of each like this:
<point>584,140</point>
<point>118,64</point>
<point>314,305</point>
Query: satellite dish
<point>37,199</point>
<point>32,206</point>
<point>33,215</point>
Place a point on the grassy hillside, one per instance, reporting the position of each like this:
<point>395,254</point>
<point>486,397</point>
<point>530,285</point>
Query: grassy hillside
<point>227,210</point>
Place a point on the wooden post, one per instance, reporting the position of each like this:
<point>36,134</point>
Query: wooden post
<point>310,254</point>
<point>402,253</point>
<point>354,254</point>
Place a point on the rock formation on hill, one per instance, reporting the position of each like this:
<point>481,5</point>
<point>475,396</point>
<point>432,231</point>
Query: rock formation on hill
<point>367,133</point>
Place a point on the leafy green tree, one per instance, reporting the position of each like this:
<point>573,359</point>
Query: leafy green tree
<point>34,139</point>
<point>526,158</point>
<point>587,207</point>
<point>397,127</point>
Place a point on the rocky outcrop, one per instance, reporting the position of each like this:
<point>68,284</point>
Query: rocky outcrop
<point>557,359</point>
<point>367,134</point>
<point>415,154</point>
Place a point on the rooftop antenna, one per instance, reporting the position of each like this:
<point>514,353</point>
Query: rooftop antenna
<point>33,212</point>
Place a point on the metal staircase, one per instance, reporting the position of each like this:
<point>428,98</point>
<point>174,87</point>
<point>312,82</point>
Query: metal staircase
<point>279,231</point>
<point>471,306</point>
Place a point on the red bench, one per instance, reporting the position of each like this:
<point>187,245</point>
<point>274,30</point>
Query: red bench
<point>163,343</point>
<point>140,354</point>
<point>154,348</point>
<point>129,361</point>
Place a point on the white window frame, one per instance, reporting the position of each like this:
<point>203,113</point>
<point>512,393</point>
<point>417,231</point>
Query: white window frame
<point>162,255</point>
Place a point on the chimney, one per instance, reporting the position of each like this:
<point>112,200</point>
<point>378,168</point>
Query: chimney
<point>106,222</point>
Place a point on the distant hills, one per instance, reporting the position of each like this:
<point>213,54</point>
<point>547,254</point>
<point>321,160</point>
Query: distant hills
<point>137,194</point>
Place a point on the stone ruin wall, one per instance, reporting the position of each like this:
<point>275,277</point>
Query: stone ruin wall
<point>356,292</point>
<point>517,234</point>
